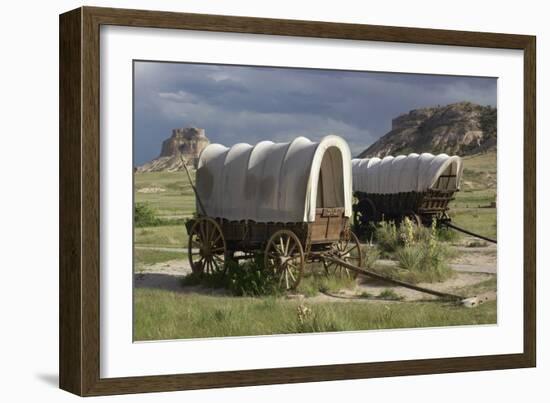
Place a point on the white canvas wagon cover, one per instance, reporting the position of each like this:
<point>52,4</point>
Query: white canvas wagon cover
<point>275,182</point>
<point>407,173</point>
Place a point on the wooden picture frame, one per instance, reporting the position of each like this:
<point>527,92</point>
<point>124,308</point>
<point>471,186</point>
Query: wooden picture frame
<point>79,201</point>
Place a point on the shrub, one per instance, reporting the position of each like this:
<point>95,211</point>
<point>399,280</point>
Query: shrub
<point>250,279</point>
<point>145,216</point>
<point>245,279</point>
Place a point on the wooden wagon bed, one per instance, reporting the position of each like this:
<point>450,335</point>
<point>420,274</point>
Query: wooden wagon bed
<point>423,207</point>
<point>420,187</point>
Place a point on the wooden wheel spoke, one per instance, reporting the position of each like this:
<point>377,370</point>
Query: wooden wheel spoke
<point>291,274</point>
<point>292,249</point>
<point>208,228</point>
<point>286,246</point>
<point>215,242</point>
<point>349,250</point>
<point>286,279</point>
<point>285,256</point>
<point>201,229</point>
<point>200,263</point>
<point>279,251</point>
<point>346,244</point>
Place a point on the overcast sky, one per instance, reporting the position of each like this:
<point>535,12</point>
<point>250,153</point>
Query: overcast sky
<point>249,104</point>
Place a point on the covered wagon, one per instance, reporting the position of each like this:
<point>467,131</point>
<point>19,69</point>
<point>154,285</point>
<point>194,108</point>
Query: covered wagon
<point>416,186</point>
<point>290,202</point>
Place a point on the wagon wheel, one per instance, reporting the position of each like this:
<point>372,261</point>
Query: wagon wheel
<point>365,215</point>
<point>284,256</point>
<point>415,218</point>
<point>369,210</point>
<point>348,249</point>
<point>206,247</point>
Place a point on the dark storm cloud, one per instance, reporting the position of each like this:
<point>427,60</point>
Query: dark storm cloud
<point>249,104</point>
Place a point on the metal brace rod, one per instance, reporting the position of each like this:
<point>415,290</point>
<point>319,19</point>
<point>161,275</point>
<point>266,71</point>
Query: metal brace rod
<point>448,224</point>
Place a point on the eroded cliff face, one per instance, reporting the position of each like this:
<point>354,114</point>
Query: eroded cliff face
<point>459,129</point>
<point>184,142</point>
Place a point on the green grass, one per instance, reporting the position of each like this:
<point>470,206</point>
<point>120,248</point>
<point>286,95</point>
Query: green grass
<point>313,283</point>
<point>162,314</point>
<point>470,208</point>
<point>169,236</point>
<point>169,315</point>
<point>144,257</point>
<point>484,286</point>
<point>176,201</point>
<point>423,263</point>
<point>172,206</point>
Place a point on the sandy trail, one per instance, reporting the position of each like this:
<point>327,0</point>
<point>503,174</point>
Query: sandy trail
<point>473,266</point>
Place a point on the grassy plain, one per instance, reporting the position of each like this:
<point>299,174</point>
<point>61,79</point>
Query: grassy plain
<point>173,315</point>
<point>170,195</point>
<point>196,312</point>
<point>474,206</point>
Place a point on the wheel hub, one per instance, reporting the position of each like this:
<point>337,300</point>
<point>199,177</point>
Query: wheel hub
<point>284,259</point>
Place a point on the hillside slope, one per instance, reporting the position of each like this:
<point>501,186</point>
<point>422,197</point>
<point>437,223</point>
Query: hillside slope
<point>460,129</point>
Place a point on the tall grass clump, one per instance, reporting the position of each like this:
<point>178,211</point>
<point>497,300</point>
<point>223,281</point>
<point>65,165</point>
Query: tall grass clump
<point>390,236</point>
<point>371,254</point>
<point>386,236</point>
<point>318,319</point>
<point>425,259</point>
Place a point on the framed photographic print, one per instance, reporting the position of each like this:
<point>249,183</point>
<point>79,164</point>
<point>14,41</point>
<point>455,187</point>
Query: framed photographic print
<point>249,201</point>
